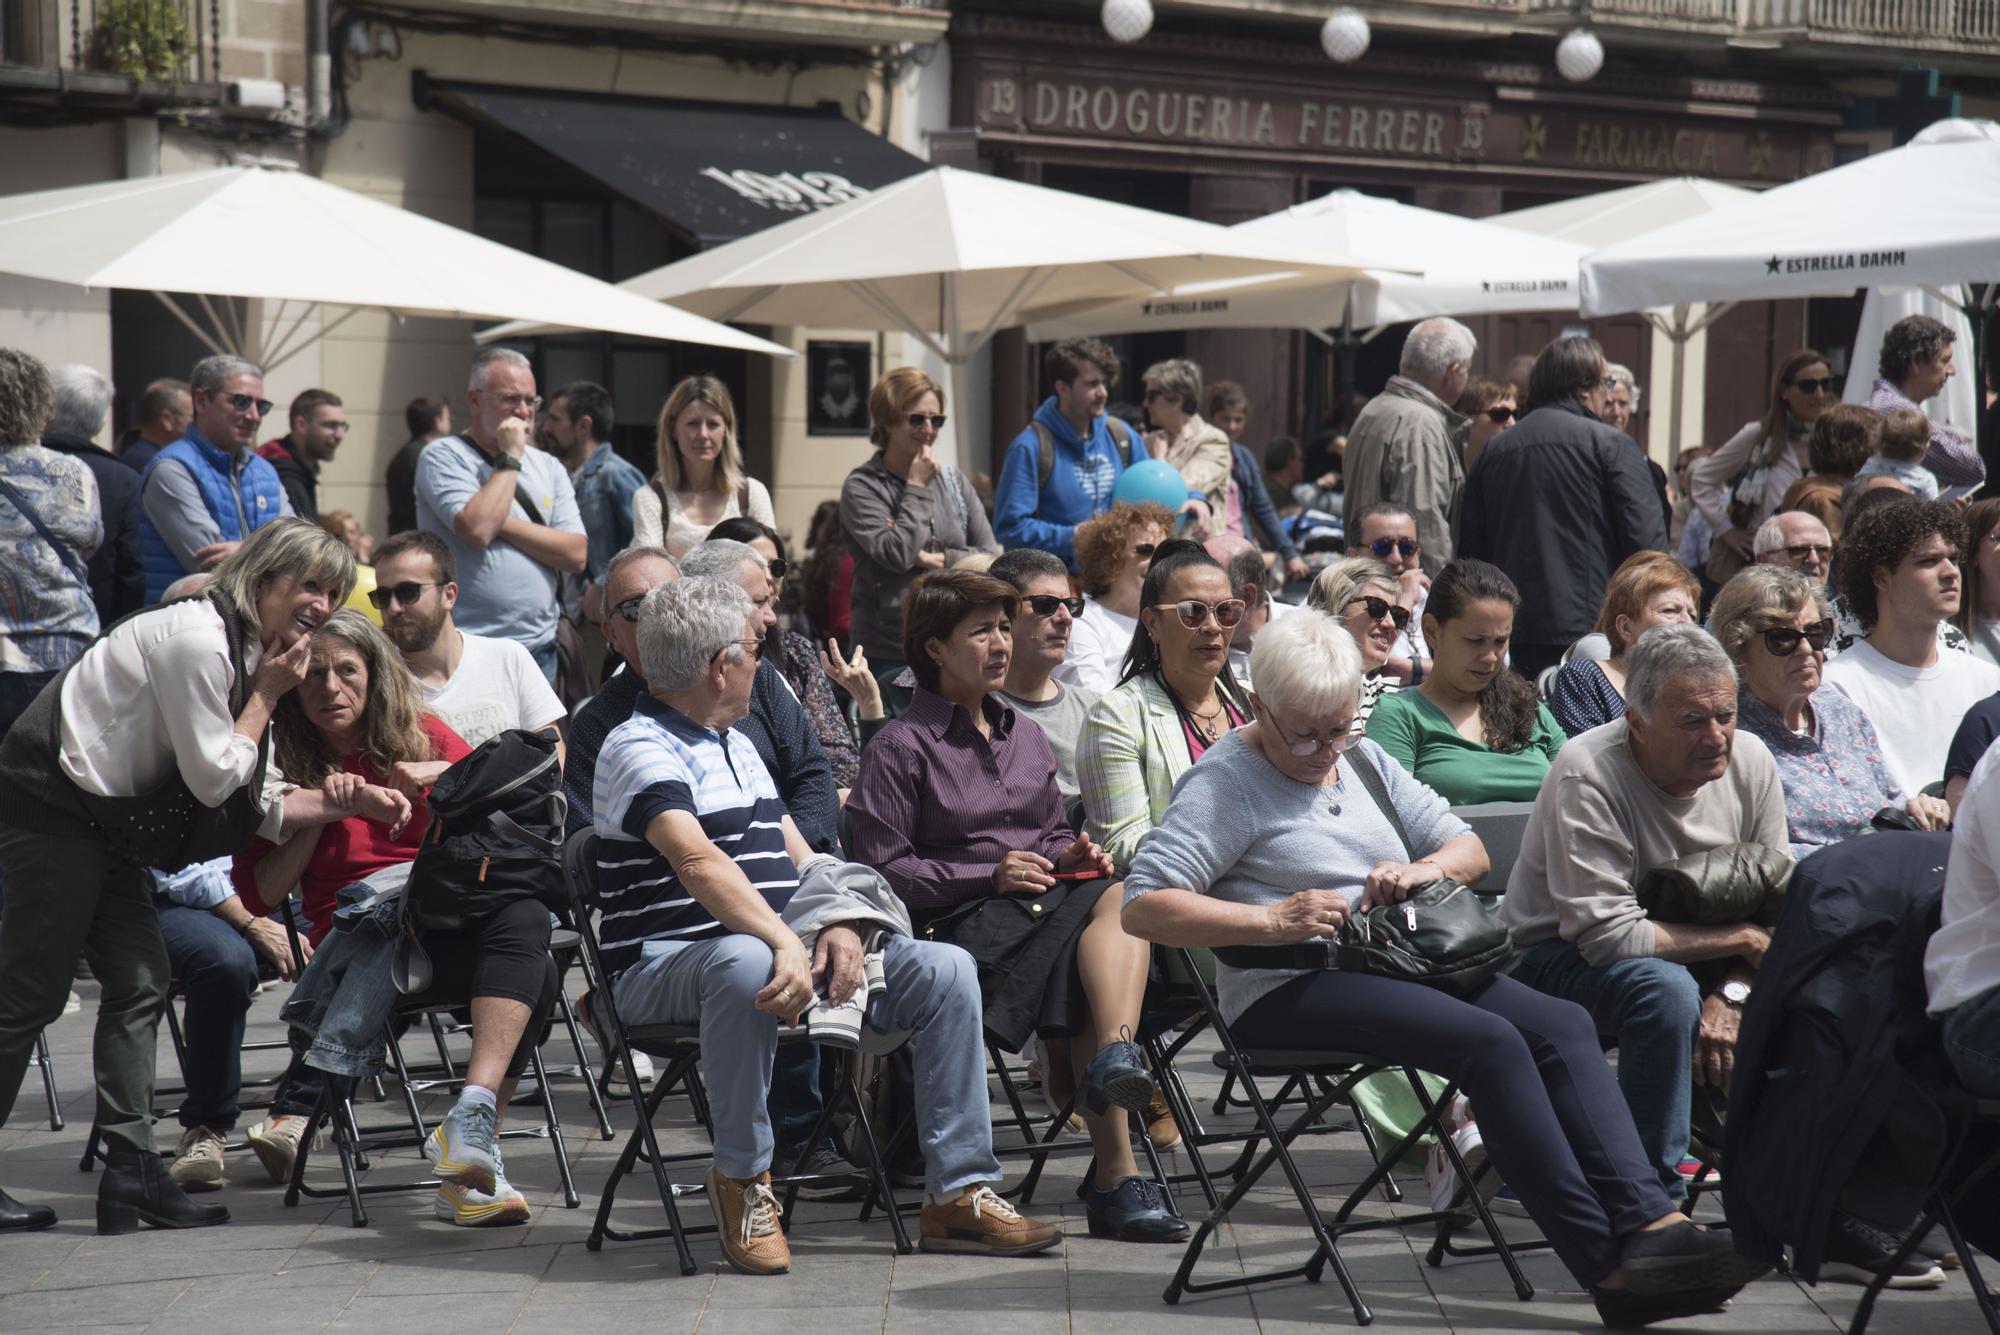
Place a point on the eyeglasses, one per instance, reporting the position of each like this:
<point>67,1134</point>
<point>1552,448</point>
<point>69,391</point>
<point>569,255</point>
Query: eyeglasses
<point>1152,394</point>
<point>1045,604</point>
<point>407,594</point>
<point>1823,385</point>
<point>243,403</point>
<point>1194,613</point>
<point>1383,546</point>
<point>511,401</point>
<point>1377,608</point>
<point>629,609</point>
<point>777,568</point>
<point>1608,384</point>
<point>1144,551</point>
<point>1310,746</point>
<point>935,421</point>
<point>753,648</point>
<point>1806,549</point>
<point>1500,416</point>
<point>1783,641</point>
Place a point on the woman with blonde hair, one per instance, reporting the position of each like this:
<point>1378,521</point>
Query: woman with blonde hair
<point>700,479</point>
<point>1366,599</point>
<point>905,511</point>
<point>1650,589</point>
<point>1740,485</point>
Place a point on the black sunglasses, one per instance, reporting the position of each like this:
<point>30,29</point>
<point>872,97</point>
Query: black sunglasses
<point>406,593</point>
<point>1383,546</point>
<point>777,567</point>
<point>1144,551</point>
<point>242,403</point>
<point>934,420</point>
<point>1805,549</point>
<point>1783,641</point>
<point>1500,415</point>
<point>629,609</point>
<point>1045,604</point>
<point>1377,608</point>
<point>1826,382</point>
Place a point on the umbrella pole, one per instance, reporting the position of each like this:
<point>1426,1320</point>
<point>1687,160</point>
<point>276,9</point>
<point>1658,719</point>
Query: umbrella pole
<point>1677,335</point>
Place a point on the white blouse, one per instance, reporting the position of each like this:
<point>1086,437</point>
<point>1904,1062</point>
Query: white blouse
<point>153,696</point>
<point>683,533</point>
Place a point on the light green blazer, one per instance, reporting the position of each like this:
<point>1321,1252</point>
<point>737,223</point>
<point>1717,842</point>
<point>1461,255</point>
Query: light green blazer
<point>1130,752</point>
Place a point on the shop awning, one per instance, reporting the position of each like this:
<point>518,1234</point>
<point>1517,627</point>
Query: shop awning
<point>715,170</point>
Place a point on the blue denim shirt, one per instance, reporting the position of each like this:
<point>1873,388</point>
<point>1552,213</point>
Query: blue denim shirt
<point>604,487</point>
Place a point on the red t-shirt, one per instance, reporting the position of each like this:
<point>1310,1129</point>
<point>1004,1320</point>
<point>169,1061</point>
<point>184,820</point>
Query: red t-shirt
<point>351,849</point>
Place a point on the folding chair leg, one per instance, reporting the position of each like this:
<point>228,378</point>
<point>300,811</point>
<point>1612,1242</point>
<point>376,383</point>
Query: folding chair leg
<point>1970,1263</point>
<point>1866,1307</point>
<point>48,1066</point>
<point>643,1137</point>
<point>883,1188</point>
<point>583,1065</point>
<point>553,1121</point>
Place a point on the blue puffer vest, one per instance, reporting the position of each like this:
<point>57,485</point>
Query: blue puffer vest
<point>263,500</point>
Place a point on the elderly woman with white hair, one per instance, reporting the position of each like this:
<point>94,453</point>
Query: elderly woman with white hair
<point>1775,625</point>
<point>148,750</point>
<point>1276,839</point>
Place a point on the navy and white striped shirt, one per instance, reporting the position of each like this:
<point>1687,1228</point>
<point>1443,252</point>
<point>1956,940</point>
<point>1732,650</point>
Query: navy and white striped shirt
<point>661,760</point>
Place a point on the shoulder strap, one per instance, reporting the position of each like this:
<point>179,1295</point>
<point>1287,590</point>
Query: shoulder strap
<point>1122,436</point>
<point>534,515</point>
<point>743,499</point>
<point>1371,779</point>
<point>68,556</point>
<point>1045,459</point>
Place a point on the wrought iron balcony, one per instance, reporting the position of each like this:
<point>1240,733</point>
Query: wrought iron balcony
<point>71,59</point>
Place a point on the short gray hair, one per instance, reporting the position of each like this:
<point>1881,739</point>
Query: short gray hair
<point>631,554</point>
<point>1771,533</point>
<point>1434,347</point>
<point>1179,377</point>
<point>1306,667</point>
<point>83,398</point>
<point>1757,598</point>
<point>486,357</point>
<point>1623,375</point>
<point>1666,654</point>
<point>683,625</point>
<point>210,374</point>
<point>720,558</point>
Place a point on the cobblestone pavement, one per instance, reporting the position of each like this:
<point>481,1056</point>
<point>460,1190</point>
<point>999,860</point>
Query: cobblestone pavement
<point>279,1269</point>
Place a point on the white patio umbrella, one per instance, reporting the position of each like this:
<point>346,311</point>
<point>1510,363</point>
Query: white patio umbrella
<point>1613,216</point>
<point>1421,263</point>
<point>952,257</point>
<point>282,236</point>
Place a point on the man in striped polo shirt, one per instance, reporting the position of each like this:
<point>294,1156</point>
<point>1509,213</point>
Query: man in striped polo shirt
<point>697,860</point>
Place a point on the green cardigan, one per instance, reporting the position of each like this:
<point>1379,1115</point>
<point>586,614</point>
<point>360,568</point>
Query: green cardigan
<point>1421,739</point>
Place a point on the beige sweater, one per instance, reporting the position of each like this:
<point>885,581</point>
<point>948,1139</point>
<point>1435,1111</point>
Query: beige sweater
<point>1599,824</point>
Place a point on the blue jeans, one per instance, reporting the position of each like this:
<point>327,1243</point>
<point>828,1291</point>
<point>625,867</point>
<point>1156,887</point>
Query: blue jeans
<point>217,970</point>
<point>1652,1007</point>
<point>1972,1042</point>
<point>933,993</point>
<point>546,659</point>
<point>795,1103</point>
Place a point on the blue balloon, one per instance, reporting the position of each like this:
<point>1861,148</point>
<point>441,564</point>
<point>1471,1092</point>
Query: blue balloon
<point>1152,481</point>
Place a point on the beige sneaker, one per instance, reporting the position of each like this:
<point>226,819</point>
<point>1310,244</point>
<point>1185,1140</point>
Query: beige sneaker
<point>1161,1128</point>
<point>746,1218</point>
<point>198,1160</point>
<point>276,1142</point>
<point>982,1221</point>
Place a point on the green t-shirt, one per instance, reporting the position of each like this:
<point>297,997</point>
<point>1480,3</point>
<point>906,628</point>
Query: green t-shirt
<point>1420,738</point>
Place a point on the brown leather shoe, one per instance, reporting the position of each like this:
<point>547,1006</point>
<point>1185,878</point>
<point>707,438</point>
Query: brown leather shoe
<point>746,1217</point>
<point>1161,1128</point>
<point>981,1221</point>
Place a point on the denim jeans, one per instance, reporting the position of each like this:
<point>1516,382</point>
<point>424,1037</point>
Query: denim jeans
<point>217,970</point>
<point>1972,1042</point>
<point>1652,1007</point>
<point>933,993</point>
<point>547,659</point>
<point>795,1103</point>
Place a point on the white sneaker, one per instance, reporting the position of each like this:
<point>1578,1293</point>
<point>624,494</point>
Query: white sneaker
<point>74,1004</point>
<point>614,1084</point>
<point>481,1209</point>
<point>1446,1192</point>
<point>198,1160</point>
<point>276,1142</point>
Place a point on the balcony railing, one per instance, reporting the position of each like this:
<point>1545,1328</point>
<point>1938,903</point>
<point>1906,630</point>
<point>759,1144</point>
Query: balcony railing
<point>1971,23</point>
<point>128,42</point>
<point>1674,13</point>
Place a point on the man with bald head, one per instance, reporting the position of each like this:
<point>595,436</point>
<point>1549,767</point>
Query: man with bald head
<point>1250,580</point>
<point>1797,541</point>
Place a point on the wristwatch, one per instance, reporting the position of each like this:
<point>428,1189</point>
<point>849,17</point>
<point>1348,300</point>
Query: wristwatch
<point>506,460</point>
<point>1736,992</point>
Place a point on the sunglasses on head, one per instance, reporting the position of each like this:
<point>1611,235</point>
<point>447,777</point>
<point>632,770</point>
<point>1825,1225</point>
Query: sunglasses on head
<point>1500,416</point>
<point>1193,612</point>
<point>1383,546</point>
<point>1045,604</point>
<point>1783,641</point>
<point>1824,384</point>
<point>406,593</point>
<point>243,403</point>
<point>935,421</point>
<point>1377,608</point>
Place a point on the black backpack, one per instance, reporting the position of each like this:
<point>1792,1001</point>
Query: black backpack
<point>496,834</point>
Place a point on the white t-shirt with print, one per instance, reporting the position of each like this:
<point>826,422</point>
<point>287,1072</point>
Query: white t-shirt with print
<point>497,686</point>
<point>1915,710</point>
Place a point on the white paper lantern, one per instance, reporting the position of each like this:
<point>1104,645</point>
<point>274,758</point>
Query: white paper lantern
<point>1128,20</point>
<point>1344,36</point>
<point>1580,55</point>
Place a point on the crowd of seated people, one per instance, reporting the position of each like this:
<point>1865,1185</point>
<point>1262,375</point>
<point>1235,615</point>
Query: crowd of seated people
<point>1061,765</point>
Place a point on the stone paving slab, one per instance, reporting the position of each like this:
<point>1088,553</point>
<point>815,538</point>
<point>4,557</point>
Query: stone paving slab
<point>305,1269</point>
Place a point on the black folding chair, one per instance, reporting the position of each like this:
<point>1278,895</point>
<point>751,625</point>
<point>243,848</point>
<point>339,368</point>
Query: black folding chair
<point>1938,1210</point>
<point>1331,1076</point>
<point>678,1048</point>
<point>40,1057</point>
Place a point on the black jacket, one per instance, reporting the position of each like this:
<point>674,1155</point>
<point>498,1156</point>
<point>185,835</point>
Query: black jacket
<point>117,579</point>
<point>1841,1096</point>
<point>300,481</point>
<point>1558,501</point>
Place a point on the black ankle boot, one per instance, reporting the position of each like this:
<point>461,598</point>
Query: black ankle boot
<point>23,1218</point>
<point>138,1187</point>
